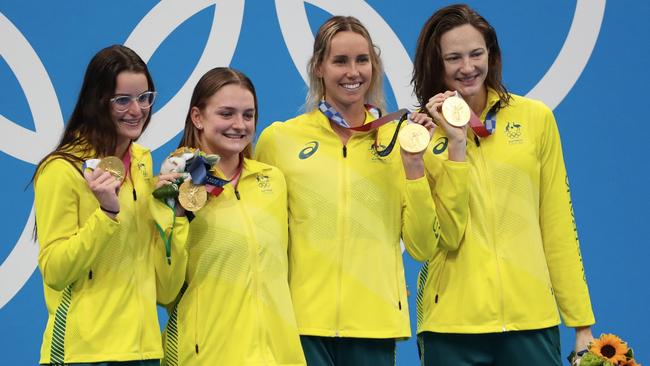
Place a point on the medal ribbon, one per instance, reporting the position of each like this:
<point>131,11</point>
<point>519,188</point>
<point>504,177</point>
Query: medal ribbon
<point>334,116</point>
<point>198,169</point>
<point>483,128</point>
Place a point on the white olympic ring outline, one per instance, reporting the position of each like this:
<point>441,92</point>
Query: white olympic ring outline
<point>166,16</point>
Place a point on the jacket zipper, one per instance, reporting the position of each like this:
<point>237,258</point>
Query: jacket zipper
<point>135,214</point>
<point>196,322</point>
<point>342,224</point>
<point>254,254</point>
<point>483,173</point>
<point>397,287</point>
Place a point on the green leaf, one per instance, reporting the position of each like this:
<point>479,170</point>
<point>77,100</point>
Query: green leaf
<point>589,359</point>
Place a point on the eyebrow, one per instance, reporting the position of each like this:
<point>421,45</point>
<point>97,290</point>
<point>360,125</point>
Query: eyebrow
<point>128,95</point>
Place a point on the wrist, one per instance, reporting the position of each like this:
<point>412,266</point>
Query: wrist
<point>112,212</point>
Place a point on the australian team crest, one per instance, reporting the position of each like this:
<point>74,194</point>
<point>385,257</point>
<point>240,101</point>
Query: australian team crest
<point>373,151</point>
<point>263,183</point>
<point>514,133</point>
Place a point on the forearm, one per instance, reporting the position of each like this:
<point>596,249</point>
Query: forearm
<point>420,227</point>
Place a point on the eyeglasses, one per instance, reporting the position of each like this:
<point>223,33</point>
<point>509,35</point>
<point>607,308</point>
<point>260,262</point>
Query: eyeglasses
<point>121,103</point>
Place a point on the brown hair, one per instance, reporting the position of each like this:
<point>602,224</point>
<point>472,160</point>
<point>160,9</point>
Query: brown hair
<point>208,85</point>
<point>428,66</point>
<point>91,127</point>
<point>322,43</point>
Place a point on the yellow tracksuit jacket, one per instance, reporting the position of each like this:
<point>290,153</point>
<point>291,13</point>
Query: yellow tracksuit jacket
<point>236,308</point>
<point>102,277</point>
<point>510,256</point>
<point>348,209</point>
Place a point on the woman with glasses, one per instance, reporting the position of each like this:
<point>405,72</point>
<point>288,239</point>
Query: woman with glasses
<point>510,264</point>
<point>351,200</point>
<point>103,263</point>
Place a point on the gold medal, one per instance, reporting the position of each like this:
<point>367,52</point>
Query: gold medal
<point>414,138</point>
<point>114,166</point>
<point>456,111</point>
<point>191,196</point>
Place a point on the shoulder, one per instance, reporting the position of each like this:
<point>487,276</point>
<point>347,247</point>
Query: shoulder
<point>264,173</point>
<point>139,151</point>
<point>256,166</point>
<point>296,122</point>
<point>520,103</point>
<point>57,171</point>
<point>59,166</point>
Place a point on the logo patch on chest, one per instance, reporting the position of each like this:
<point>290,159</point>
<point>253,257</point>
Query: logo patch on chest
<point>514,133</point>
<point>264,183</point>
<point>309,150</point>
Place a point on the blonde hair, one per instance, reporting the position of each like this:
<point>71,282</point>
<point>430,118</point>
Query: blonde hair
<point>322,43</point>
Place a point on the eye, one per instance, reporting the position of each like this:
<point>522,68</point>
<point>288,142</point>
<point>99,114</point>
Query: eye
<point>339,60</point>
<point>363,59</point>
<point>477,54</point>
<point>145,98</point>
<point>249,116</point>
<point>452,58</point>
<point>122,100</point>
<point>225,114</point>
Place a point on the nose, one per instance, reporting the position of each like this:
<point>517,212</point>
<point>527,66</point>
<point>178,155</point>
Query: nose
<point>238,122</point>
<point>467,67</point>
<point>134,108</point>
<point>353,70</point>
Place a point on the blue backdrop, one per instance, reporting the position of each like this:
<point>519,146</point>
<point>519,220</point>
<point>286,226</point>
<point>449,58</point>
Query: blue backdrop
<point>587,59</point>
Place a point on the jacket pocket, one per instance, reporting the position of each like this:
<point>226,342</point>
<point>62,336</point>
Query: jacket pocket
<point>438,279</point>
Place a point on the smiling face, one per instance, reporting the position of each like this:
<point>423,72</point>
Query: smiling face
<point>465,58</point>
<point>346,70</point>
<point>227,122</point>
<point>129,123</point>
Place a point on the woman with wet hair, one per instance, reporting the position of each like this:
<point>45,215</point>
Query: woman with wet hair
<point>510,258</point>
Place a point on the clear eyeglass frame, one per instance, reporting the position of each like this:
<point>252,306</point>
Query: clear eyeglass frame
<point>122,103</point>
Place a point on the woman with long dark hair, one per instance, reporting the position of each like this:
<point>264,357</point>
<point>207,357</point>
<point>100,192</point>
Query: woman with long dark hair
<point>103,262</point>
<point>510,258</point>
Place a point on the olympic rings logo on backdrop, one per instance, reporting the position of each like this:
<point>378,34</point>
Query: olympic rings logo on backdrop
<point>166,16</point>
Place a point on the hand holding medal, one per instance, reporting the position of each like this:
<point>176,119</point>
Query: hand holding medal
<point>104,177</point>
<point>414,137</point>
<point>191,188</point>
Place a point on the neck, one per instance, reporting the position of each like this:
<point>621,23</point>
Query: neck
<point>229,165</point>
<point>121,148</point>
<point>477,102</point>
<point>354,114</point>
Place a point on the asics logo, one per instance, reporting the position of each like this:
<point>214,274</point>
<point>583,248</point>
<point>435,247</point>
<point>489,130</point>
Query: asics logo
<point>312,147</point>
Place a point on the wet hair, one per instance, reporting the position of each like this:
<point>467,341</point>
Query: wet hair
<point>322,43</point>
<point>428,66</point>
<point>209,85</point>
<point>90,131</point>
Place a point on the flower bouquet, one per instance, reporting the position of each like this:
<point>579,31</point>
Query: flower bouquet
<point>190,189</point>
<point>195,182</point>
<point>608,350</point>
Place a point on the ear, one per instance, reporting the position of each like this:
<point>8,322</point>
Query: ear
<point>318,71</point>
<point>195,114</point>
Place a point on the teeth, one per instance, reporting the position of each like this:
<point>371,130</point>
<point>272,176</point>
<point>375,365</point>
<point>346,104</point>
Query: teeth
<point>351,86</point>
